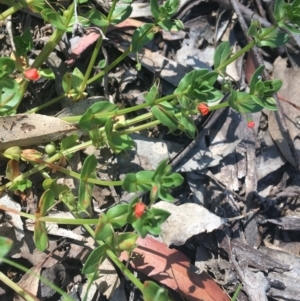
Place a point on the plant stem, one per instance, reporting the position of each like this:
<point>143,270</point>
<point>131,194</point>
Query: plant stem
<point>14,286</point>
<point>244,50</point>
<point>53,41</point>
<point>124,270</point>
<point>44,280</point>
<point>113,257</point>
<point>13,9</point>
<point>68,221</point>
<point>120,112</point>
<point>45,105</point>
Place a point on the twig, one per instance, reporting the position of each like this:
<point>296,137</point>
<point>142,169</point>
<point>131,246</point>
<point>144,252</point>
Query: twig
<point>10,33</point>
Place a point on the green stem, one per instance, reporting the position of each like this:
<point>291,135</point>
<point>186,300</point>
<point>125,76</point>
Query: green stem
<point>89,180</point>
<point>97,49</point>
<point>124,270</point>
<point>120,112</point>
<point>45,105</point>
<point>53,41</point>
<point>91,64</point>
<point>14,286</point>
<point>245,49</point>
<point>13,9</point>
<point>44,280</point>
<point>109,67</point>
<point>113,257</point>
<point>68,221</point>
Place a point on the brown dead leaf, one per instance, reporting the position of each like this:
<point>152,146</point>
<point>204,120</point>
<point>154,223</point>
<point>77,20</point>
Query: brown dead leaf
<point>30,282</point>
<point>172,268</point>
<point>24,130</point>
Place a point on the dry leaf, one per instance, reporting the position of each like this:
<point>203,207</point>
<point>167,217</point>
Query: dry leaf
<point>185,221</point>
<point>172,268</point>
<point>25,130</point>
<point>30,283</point>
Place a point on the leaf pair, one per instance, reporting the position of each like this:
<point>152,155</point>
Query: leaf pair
<point>259,97</point>
<point>162,180</point>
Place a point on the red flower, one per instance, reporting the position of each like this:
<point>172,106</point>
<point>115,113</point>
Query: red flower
<point>251,124</point>
<point>31,74</point>
<point>139,209</point>
<point>203,109</point>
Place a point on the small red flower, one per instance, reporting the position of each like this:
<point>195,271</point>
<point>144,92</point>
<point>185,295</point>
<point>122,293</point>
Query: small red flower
<point>139,209</point>
<point>31,74</point>
<point>251,124</point>
<point>203,109</point>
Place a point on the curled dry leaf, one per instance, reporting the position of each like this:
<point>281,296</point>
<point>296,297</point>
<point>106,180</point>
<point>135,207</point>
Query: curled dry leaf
<point>185,221</point>
<point>172,268</point>
<point>24,130</point>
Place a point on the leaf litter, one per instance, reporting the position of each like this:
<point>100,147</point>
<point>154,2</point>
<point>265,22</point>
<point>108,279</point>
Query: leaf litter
<point>219,191</point>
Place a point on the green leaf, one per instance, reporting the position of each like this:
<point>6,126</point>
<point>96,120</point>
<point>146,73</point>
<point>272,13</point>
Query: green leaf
<point>142,36</point>
<point>268,103</point>
<point>141,181</point>
<point>255,78</point>
<point>121,13</point>
<point>221,55</point>
<point>40,236</point>
<point>252,30</point>
<point>272,86</point>
<point>67,82</point>
<point>23,43</point>
<point>98,18</point>
<point>46,201</point>
<point>153,94</point>
<point>103,229</point>
<point>154,292</point>
<point>242,102</point>
<point>171,7</point>
<point>85,188</point>
<point>77,79</point>
<point>93,262</point>
<point>172,181</point>
<point>68,142</point>
<point>159,171</point>
<point>20,185</point>
<point>84,22</point>
<point>164,113</point>
<point>120,143</point>
<point>126,241</point>
<point>144,180</point>
<point>89,166</point>
<point>187,81</point>
<point>155,9</point>
<point>10,95</point>
<point>5,246</point>
<point>117,215</point>
<point>7,66</point>
<point>163,193</point>
<point>54,18</point>
<point>160,215</point>
<point>129,182</point>
<point>291,28</point>
<point>189,126</point>
<point>279,12</point>
<point>57,189</point>
<point>274,39</point>
<point>47,73</point>
<point>89,121</point>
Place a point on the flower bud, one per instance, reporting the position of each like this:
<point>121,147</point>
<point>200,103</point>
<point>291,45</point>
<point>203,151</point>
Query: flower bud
<point>139,209</point>
<point>251,124</point>
<point>203,109</point>
<point>31,74</point>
